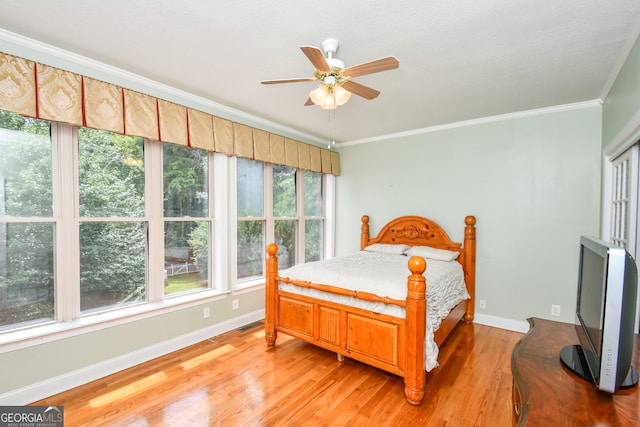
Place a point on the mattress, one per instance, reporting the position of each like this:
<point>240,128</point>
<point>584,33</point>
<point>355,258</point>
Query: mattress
<point>384,275</point>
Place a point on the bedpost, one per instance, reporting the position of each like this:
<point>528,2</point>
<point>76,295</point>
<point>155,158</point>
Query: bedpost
<point>470,265</point>
<point>414,380</point>
<point>364,232</point>
<point>270,333</point>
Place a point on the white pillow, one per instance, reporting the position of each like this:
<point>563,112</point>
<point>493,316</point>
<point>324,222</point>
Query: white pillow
<point>387,248</point>
<point>432,253</point>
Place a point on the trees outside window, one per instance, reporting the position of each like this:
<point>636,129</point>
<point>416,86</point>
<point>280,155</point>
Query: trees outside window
<point>186,223</point>
<point>313,216</point>
<point>251,219</point>
<point>113,237</point>
<point>293,217</point>
<point>79,211</point>
<point>285,214</point>
<point>26,221</point>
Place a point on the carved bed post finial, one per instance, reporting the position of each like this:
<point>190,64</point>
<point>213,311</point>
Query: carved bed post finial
<point>364,232</point>
<point>470,265</point>
<point>270,333</point>
<point>415,315</point>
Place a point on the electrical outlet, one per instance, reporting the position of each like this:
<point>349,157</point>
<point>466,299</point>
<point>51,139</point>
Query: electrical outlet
<point>483,303</point>
<point>206,313</point>
<point>555,310</point>
<point>235,304</point>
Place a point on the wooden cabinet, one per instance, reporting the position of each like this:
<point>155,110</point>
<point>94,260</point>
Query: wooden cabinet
<point>545,393</point>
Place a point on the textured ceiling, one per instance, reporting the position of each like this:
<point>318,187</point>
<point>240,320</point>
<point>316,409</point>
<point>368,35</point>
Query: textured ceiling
<point>459,60</point>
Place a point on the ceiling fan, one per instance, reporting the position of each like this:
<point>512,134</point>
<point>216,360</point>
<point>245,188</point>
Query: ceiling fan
<point>337,84</point>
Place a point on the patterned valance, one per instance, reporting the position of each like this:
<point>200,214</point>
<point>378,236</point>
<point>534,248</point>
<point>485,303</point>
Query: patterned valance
<point>37,90</point>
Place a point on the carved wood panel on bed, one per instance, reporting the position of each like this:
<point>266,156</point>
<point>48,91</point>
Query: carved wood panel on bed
<point>394,344</point>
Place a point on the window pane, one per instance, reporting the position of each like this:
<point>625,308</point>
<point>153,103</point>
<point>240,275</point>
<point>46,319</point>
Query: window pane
<point>251,249</point>
<point>25,166</point>
<point>186,256</point>
<point>26,272</point>
<point>111,170</point>
<point>312,193</point>
<point>250,187</point>
<point>284,191</point>
<point>313,232</point>
<point>285,234</point>
<point>112,264</point>
<point>185,181</point>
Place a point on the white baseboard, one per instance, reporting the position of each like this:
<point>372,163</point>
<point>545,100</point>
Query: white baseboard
<point>51,386</point>
<point>501,322</point>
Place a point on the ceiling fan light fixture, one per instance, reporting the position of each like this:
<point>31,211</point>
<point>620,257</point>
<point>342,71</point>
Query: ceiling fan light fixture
<point>329,102</point>
<point>331,72</point>
<point>329,96</point>
<point>342,95</point>
<point>319,94</point>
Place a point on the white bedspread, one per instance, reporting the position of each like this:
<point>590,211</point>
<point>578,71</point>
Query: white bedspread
<point>385,275</point>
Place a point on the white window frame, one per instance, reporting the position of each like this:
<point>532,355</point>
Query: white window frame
<point>214,278</point>
<point>328,201</point>
<point>624,141</point>
<point>621,193</point>
<point>68,320</point>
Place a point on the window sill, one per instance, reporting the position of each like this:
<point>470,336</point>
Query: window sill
<point>248,286</point>
<point>52,331</point>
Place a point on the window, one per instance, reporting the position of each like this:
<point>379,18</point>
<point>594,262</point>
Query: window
<point>251,219</point>
<point>113,237</point>
<point>74,222</point>
<point>88,228</point>
<point>278,204</point>
<point>313,216</point>
<point>285,214</point>
<point>27,226</point>
<point>624,199</point>
<point>187,228</point>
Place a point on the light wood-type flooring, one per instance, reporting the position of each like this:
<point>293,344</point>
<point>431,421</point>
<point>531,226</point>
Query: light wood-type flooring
<point>236,380</point>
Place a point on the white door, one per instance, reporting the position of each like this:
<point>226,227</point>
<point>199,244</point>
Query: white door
<point>621,188</point>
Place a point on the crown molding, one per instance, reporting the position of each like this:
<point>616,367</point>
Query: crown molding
<point>474,122</point>
<point>624,55</point>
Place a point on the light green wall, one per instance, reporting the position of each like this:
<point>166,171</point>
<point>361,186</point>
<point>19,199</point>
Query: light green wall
<point>623,100</point>
<point>533,183</point>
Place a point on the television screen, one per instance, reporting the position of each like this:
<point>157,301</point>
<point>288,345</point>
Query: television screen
<point>591,296</point>
<point>605,311</point>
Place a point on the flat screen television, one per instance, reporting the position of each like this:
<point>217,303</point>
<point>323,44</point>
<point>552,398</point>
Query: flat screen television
<point>605,314</point>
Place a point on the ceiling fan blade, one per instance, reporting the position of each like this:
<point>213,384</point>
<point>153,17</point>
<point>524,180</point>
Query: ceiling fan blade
<point>302,79</point>
<point>360,90</point>
<point>316,57</point>
<point>382,64</point>
<point>309,102</point>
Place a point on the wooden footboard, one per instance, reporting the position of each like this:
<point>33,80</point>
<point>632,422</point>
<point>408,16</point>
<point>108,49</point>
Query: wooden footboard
<point>390,343</point>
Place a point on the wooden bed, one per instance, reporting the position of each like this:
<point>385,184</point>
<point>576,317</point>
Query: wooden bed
<point>390,343</point>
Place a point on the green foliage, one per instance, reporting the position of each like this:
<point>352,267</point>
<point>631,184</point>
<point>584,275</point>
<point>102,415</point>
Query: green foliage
<point>199,245</point>
<point>25,166</point>
<point>251,247</point>
<point>111,169</point>
<point>112,253</point>
<point>284,191</point>
<point>111,178</point>
<point>185,181</point>
<point>26,249</point>
<point>112,261</point>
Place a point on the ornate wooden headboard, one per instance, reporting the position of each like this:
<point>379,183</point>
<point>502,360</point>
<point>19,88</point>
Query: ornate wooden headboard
<point>409,230</point>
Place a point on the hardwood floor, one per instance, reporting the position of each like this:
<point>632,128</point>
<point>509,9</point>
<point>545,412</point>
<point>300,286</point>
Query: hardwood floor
<point>236,380</point>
